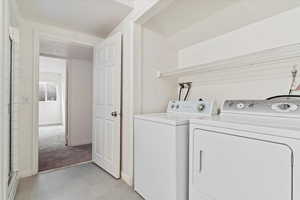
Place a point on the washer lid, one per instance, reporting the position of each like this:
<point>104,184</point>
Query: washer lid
<point>174,119</point>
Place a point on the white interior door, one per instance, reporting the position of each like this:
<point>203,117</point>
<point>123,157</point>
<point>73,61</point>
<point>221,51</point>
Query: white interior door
<point>107,104</point>
<point>233,168</point>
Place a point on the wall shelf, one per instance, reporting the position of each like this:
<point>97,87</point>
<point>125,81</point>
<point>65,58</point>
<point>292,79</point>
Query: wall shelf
<point>283,54</point>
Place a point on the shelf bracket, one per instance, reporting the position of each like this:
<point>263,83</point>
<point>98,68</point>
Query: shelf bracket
<point>158,74</point>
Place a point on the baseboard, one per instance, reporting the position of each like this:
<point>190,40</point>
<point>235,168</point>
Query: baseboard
<point>26,173</point>
<point>79,144</point>
<point>69,166</point>
<point>12,189</point>
<point>126,178</point>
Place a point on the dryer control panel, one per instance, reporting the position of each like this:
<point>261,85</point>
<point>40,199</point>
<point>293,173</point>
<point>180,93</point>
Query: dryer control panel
<point>284,106</point>
<point>196,107</point>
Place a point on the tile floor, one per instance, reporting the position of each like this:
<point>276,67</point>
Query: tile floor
<point>84,182</point>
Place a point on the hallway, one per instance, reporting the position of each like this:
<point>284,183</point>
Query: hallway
<point>53,153</point>
<point>86,182</point>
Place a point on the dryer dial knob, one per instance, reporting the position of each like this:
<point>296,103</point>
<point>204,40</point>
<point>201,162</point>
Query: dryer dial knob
<point>240,106</point>
<point>284,107</point>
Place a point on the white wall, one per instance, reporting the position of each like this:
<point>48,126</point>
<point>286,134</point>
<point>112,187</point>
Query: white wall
<point>254,89</point>
<point>157,55</point>
<point>273,32</point>
<point>53,70</point>
<point>80,79</point>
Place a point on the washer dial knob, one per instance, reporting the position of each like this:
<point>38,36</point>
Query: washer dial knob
<point>201,107</point>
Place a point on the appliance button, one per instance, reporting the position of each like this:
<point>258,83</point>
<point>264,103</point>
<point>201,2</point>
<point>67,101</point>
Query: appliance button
<point>251,105</point>
<point>240,106</point>
<point>230,104</point>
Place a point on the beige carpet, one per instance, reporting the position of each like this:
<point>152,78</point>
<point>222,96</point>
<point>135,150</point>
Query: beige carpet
<point>53,153</point>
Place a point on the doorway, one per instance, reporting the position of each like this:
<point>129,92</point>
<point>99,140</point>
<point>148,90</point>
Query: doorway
<point>65,104</point>
<point>93,96</point>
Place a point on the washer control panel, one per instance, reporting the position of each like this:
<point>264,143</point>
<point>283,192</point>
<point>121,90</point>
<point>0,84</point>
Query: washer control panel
<point>284,106</point>
<point>200,107</point>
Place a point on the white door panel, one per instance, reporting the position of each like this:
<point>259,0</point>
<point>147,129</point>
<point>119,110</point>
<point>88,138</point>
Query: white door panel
<point>107,101</point>
<point>99,144</point>
<point>109,141</point>
<point>229,167</point>
<point>100,86</point>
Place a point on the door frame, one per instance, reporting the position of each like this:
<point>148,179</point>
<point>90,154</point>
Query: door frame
<point>53,35</point>
<point>15,39</point>
<point>4,61</point>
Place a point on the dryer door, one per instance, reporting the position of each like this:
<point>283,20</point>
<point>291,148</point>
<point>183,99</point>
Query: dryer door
<point>228,167</point>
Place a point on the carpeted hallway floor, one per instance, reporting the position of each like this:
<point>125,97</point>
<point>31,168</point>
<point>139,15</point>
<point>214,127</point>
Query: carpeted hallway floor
<point>53,153</point>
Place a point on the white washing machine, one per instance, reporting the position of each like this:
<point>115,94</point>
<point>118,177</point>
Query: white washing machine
<point>161,150</point>
<point>250,152</point>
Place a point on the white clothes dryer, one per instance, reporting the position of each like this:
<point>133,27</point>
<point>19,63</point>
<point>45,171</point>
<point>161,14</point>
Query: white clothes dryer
<point>251,151</point>
<point>161,150</point>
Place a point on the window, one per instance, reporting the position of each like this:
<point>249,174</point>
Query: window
<point>47,91</point>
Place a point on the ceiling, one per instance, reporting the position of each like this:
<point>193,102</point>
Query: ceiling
<point>95,17</point>
<point>65,50</point>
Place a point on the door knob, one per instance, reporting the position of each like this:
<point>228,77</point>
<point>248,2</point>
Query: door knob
<point>114,114</point>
